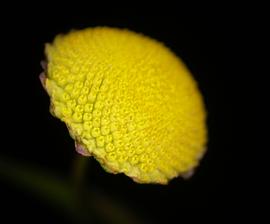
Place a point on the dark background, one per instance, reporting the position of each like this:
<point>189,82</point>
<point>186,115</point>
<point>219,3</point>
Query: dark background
<point>207,41</point>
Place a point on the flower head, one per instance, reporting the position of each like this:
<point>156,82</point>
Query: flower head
<point>128,101</point>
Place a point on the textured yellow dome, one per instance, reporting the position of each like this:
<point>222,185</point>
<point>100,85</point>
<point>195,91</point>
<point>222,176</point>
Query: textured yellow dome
<point>128,101</point>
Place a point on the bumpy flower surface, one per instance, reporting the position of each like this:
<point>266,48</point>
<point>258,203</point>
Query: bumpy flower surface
<point>128,101</point>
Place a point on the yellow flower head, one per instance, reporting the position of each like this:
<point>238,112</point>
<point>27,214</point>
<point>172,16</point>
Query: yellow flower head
<point>128,101</point>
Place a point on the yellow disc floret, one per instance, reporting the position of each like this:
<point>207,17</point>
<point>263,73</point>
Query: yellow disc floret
<point>127,100</point>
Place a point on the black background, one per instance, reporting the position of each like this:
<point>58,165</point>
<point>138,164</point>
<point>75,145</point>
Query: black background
<point>207,41</point>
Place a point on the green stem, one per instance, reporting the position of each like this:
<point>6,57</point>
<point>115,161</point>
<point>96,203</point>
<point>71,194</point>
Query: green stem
<point>53,189</point>
<point>79,171</point>
<point>79,202</point>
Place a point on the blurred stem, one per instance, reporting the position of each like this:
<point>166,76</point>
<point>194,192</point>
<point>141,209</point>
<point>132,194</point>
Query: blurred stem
<point>51,188</point>
<point>79,171</point>
<point>92,204</point>
<point>80,202</point>
<point>78,175</point>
